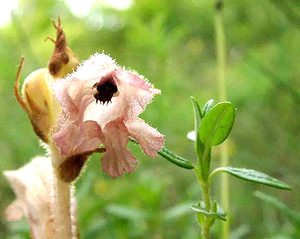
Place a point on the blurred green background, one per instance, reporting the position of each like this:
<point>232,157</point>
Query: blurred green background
<point>172,44</point>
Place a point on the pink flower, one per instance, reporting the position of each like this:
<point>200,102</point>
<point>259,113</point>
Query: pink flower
<point>101,103</point>
<point>32,185</point>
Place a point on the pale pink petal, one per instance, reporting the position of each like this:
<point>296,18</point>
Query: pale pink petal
<point>135,80</point>
<point>117,158</point>
<point>149,138</point>
<point>90,137</point>
<point>104,113</point>
<point>96,67</point>
<point>32,185</point>
<point>74,96</point>
<point>136,91</point>
<point>72,139</point>
<point>14,211</point>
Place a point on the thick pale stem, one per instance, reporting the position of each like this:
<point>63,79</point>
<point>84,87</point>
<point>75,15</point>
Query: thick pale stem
<point>62,201</point>
<point>221,64</point>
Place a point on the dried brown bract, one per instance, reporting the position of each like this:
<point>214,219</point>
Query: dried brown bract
<point>63,60</point>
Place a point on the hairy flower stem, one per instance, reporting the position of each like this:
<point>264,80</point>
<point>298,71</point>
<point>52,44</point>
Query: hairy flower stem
<point>62,208</point>
<point>221,64</point>
<point>62,203</point>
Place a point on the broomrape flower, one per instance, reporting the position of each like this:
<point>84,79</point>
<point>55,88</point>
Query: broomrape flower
<point>101,103</point>
<point>33,186</point>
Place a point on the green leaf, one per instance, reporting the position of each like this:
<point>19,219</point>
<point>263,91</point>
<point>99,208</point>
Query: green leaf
<point>207,106</point>
<point>293,216</point>
<point>197,111</point>
<point>202,210</point>
<point>172,157</point>
<point>217,124</point>
<point>175,159</point>
<point>199,147</point>
<point>253,176</point>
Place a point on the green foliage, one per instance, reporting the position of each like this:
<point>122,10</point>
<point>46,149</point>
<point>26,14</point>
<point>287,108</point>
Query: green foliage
<point>199,147</point>
<point>207,106</point>
<point>217,123</point>
<point>172,157</point>
<point>252,176</point>
<point>217,213</point>
<point>210,129</point>
<point>175,159</point>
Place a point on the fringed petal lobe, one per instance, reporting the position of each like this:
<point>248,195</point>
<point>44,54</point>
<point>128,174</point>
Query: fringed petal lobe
<point>117,158</point>
<point>150,139</point>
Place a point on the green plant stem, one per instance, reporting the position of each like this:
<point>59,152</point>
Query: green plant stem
<point>206,230</point>
<point>206,195</point>
<point>202,172</point>
<point>206,163</point>
<point>205,188</point>
<point>221,64</point>
<point>207,201</point>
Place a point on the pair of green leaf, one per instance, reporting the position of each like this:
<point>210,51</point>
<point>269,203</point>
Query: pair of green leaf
<point>253,176</point>
<point>222,115</point>
<point>216,213</point>
<point>214,123</point>
<point>212,127</point>
<point>241,173</point>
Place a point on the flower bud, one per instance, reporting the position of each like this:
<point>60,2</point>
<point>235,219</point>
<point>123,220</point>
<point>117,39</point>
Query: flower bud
<point>37,98</point>
<point>38,101</point>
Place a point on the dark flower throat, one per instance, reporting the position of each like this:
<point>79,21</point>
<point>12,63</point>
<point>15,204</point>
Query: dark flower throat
<point>105,89</point>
